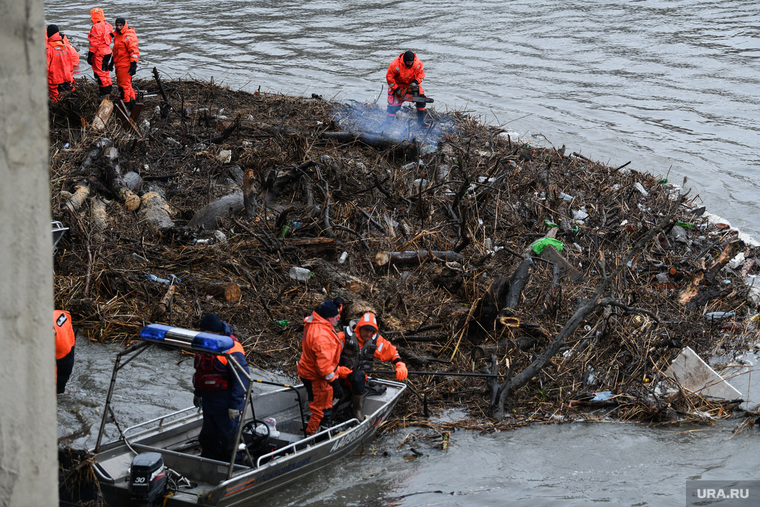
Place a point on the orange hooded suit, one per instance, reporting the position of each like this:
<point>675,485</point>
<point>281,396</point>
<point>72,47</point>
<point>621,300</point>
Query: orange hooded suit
<point>321,350</point>
<point>401,76</point>
<point>60,70</point>
<point>101,35</point>
<point>125,56</point>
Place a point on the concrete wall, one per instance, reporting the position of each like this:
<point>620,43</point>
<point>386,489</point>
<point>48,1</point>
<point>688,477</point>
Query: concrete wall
<point>28,434</point>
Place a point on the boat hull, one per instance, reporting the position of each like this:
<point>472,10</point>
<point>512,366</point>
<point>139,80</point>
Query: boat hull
<point>286,457</point>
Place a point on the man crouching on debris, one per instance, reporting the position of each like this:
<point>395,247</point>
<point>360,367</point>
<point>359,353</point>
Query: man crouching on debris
<point>362,344</point>
<point>404,76</point>
<point>318,365</point>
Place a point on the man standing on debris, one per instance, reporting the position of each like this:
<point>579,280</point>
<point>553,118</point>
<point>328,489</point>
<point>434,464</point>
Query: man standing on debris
<point>99,56</point>
<point>60,68</point>
<point>404,76</point>
<point>318,365</point>
<point>362,344</point>
<point>125,56</point>
<point>219,392</point>
<point>65,338</point>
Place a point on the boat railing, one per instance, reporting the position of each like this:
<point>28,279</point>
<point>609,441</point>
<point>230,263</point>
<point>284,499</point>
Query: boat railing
<point>172,416</point>
<point>329,433</point>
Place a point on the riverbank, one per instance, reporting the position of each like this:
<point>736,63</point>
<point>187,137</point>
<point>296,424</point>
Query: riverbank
<point>236,189</point>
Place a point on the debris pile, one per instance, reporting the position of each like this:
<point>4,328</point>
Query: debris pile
<point>574,282</point>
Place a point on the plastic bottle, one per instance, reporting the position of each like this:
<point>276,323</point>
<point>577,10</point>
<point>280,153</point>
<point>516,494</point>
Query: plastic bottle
<point>342,257</point>
<point>712,316</point>
<point>154,278</point>
<point>300,274</point>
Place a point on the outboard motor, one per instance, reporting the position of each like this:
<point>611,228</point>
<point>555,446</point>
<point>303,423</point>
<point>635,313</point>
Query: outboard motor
<point>147,478</point>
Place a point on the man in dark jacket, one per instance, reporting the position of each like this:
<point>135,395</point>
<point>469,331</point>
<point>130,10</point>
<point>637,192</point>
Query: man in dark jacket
<point>219,393</point>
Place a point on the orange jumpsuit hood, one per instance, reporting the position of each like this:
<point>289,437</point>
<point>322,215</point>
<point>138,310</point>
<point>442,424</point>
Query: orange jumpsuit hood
<point>97,15</point>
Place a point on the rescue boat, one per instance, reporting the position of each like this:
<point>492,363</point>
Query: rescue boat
<point>158,462</point>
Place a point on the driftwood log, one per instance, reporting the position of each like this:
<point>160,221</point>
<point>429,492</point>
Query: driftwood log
<point>155,211</point>
<point>398,147</point>
<point>98,213</point>
<point>81,192</point>
<point>103,114</point>
<point>165,303</point>
<point>229,291</point>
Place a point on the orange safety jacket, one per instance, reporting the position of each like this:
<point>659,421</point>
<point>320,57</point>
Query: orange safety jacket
<point>64,333</point>
<point>59,66</point>
<point>125,47</point>
<point>321,350</point>
<point>399,75</point>
<point>211,370</point>
<point>357,353</point>
<point>101,33</point>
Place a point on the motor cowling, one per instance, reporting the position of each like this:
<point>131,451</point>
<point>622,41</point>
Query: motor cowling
<point>147,478</point>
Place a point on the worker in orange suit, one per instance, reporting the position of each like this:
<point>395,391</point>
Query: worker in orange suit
<point>65,338</point>
<point>99,56</point>
<point>125,57</point>
<point>60,70</point>
<point>318,364</point>
<point>362,343</point>
<point>405,75</point>
<point>72,52</point>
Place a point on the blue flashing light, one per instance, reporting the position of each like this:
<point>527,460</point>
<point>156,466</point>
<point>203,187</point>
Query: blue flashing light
<point>154,332</point>
<point>212,343</point>
<point>186,338</point>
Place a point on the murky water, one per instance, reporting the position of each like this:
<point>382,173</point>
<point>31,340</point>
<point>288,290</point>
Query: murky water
<point>672,86</point>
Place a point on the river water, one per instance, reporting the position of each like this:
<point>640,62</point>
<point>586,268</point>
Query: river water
<point>670,85</point>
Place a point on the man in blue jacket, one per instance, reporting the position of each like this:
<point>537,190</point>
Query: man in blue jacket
<point>219,393</point>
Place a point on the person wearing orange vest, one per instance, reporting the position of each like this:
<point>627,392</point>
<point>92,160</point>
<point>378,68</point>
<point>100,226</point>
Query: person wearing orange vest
<point>60,69</point>
<point>65,339</point>
<point>219,393</point>
<point>405,74</point>
<point>318,364</point>
<point>361,345</point>
<point>126,53</point>
<point>72,52</point>
<point>99,55</point>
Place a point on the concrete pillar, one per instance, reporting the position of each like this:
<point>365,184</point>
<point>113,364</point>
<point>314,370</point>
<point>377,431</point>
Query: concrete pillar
<point>28,434</point>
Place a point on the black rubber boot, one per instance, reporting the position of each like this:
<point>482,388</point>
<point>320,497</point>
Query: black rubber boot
<point>357,407</point>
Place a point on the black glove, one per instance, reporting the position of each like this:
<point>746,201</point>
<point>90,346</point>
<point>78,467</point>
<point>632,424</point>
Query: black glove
<point>106,63</point>
<point>132,68</point>
<point>90,56</point>
<point>338,301</point>
<point>337,389</point>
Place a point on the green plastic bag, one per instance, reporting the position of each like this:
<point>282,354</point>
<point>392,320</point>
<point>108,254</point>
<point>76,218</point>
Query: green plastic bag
<point>538,246</point>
